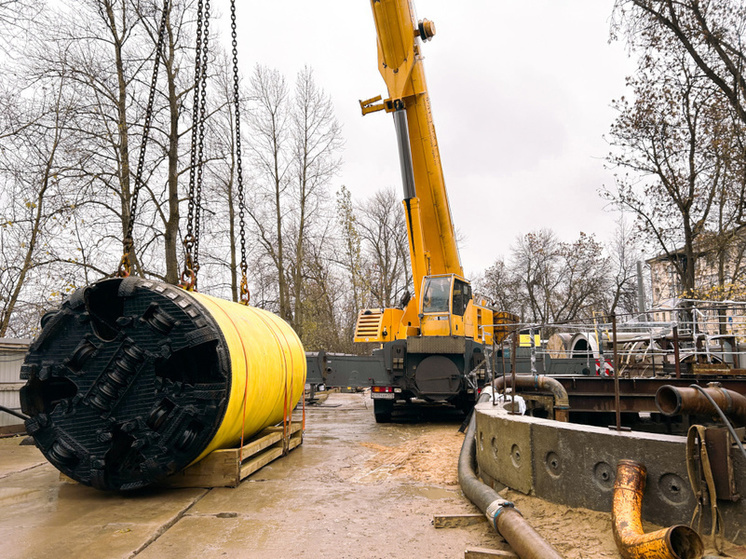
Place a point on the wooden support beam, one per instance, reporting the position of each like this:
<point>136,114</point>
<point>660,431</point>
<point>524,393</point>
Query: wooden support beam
<point>457,520</point>
<point>480,553</point>
<point>228,467</point>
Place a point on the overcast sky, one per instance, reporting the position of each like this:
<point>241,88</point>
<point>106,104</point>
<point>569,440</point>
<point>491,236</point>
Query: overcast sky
<point>521,93</point>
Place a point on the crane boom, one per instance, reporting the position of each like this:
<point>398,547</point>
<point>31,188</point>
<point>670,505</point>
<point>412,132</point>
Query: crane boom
<point>432,238</point>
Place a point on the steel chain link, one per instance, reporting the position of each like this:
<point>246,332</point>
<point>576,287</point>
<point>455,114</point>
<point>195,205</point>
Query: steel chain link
<point>128,245</point>
<point>244,295</point>
<point>201,140</point>
<point>191,239</point>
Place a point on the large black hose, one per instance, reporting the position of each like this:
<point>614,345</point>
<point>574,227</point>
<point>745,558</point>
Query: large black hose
<point>501,513</point>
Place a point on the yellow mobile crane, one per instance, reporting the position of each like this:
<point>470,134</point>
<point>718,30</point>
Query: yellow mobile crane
<point>436,345</point>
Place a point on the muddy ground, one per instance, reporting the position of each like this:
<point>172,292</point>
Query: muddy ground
<point>354,489</point>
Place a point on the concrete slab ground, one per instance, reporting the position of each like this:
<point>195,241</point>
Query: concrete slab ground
<point>353,490</point>
<point>41,516</point>
<point>325,499</point>
<point>15,457</point>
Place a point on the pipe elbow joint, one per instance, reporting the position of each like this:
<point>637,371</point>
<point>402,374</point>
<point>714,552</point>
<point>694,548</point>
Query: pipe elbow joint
<point>543,382</point>
<point>561,399</point>
<point>676,542</point>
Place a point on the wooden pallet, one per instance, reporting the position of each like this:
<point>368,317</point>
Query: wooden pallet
<point>228,467</point>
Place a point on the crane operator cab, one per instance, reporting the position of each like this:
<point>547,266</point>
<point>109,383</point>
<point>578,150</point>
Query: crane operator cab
<point>445,301</point>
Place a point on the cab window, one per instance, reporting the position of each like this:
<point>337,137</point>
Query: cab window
<point>436,295</point>
<point>461,297</point>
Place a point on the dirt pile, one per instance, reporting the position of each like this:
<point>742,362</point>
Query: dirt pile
<point>432,458</point>
<point>428,458</point>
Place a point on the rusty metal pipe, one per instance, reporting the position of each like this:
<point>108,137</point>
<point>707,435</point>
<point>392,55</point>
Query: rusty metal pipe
<point>674,400</point>
<point>502,514</point>
<point>542,383</point>
<point>676,542</point>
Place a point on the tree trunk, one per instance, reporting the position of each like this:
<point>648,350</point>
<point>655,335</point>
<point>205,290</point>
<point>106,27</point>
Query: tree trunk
<point>123,152</point>
<point>28,258</point>
<point>171,232</point>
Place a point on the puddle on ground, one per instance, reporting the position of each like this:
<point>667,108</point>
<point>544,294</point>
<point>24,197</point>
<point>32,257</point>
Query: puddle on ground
<point>15,495</point>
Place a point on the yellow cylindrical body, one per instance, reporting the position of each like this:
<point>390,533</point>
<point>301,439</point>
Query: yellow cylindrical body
<point>132,380</point>
<point>268,367</point>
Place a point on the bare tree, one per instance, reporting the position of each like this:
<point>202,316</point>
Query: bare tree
<point>221,224</point>
<point>97,46</point>
<point>709,32</point>
<point>165,193</point>
<point>725,241</point>
<point>499,284</point>
<point>16,22</point>
<point>670,139</point>
<point>559,281</point>
<point>624,254</point>
<point>386,249</point>
<point>295,148</point>
<point>269,121</point>
<point>317,139</point>
<point>326,324</point>
<point>534,263</point>
<point>583,280</point>
<point>351,254</point>
<point>32,168</point>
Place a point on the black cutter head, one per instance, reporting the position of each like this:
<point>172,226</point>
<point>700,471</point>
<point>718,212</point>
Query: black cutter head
<point>126,384</point>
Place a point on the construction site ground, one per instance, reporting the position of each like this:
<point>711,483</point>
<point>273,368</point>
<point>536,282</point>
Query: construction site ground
<point>353,489</point>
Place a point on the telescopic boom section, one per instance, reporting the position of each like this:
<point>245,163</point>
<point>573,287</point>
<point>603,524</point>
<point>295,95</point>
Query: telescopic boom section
<point>432,239</point>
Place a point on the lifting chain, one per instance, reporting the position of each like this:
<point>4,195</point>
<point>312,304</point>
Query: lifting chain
<point>128,244</point>
<point>244,295</point>
<point>191,240</point>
